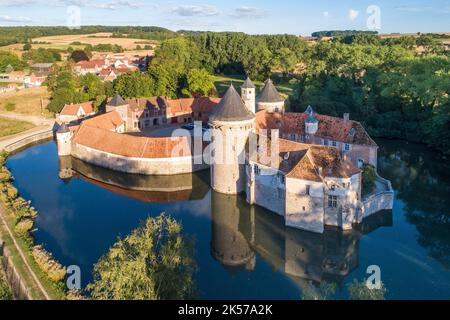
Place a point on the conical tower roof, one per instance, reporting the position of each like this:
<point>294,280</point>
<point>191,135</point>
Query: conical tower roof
<point>63,128</point>
<point>231,108</point>
<point>248,84</point>
<point>269,93</point>
<point>116,101</point>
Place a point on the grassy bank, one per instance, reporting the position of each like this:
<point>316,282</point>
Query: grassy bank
<point>5,290</point>
<point>27,101</point>
<point>17,234</point>
<point>9,127</point>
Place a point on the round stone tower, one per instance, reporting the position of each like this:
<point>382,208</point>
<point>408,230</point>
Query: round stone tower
<point>231,123</point>
<point>269,99</point>
<point>248,93</point>
<point>64,140</point>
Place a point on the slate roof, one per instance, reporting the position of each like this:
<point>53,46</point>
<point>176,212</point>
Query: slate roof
<point>331,128</point>
<point>63,128</point>
<point>269,93</point>
<point>231,108</point>
<point>248,84</point>
<point>117,101</point>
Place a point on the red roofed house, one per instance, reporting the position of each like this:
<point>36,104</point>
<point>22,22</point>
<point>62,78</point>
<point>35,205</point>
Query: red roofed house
<point>92,66</point>
<point>75,112</point>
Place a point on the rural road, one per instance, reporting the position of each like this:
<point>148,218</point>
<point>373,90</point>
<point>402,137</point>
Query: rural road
<point>36,120</point>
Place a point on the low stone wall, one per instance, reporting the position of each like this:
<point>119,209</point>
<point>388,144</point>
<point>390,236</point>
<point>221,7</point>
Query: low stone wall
<point>383,200</point>
<point>145,166</point>
<point>29,140</point>
<point>19,290</point>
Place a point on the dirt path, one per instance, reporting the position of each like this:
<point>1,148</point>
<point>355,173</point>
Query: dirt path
<point>36,120</point>
<point>5,141</point>
<point>22,255</point>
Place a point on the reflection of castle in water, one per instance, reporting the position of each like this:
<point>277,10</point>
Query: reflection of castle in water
<point>241,231</point>
<point>142,188</point>
<point>302,255</point>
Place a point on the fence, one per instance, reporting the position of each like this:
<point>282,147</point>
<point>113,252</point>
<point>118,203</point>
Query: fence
<point>18,287</point>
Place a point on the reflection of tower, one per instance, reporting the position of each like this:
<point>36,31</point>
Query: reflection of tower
<point>65,168</point>
<point>228,244</point>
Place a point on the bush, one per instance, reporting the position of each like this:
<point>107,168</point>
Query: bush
<point>54,270</point>
<point>24,227</point>
<point>360,291</point>
<point>10,106</point>
<point>5,175</point>
<point>5,291</point>
<point>369,177</point>
<point>11,192</point>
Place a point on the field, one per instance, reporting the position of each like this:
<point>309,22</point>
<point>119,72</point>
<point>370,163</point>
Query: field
<point>64,41</point>
<point>9,127</point>
<point>27,101</point>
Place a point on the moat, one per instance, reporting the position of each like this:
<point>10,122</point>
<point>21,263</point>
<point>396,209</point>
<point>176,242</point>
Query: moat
<point>81,216</point>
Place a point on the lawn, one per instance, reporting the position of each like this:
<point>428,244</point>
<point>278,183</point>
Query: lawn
<point>26,101</point>
<point>223,82</point>
<point>9,127</point>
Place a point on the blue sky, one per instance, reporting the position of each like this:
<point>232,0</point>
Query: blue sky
<point>251,16</point>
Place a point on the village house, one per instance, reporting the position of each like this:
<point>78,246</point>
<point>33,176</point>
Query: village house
<point>75,112</point>
<point>313,179</point>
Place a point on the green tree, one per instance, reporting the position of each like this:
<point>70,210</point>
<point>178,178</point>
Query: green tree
<point>325,291</point>
<point>134,85</point>
<point>285,61</point>
<point>155,262</point>
<point>199,82</point>
<point>27,46</point>
<point>360,291</point>
<point>368,179</point>
<point>9,59</point>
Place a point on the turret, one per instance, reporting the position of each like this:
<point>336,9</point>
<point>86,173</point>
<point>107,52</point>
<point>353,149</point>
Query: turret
<point>311,122</point>
<point>248,93</point>
<point>231,123</point>
<point>64,140</point>
<point>121,106</point>
<point>269,99</point>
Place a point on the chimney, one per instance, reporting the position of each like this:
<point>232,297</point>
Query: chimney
<point>346,117</point>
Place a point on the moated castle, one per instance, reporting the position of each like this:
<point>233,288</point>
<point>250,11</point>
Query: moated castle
<point>312,180</point>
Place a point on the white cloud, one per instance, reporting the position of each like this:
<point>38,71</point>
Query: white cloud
<point>326,14</point>
<point>17,3</point>
<point>248,12</point>
<point>14,19</point>
<point>353,14</point>
<point>189,11</point>
<point>109,5</point>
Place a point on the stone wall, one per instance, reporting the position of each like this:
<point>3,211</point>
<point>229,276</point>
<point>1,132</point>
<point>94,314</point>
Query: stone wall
<point>381,200</point>
<point>146,166</point>
<point>27,141</point>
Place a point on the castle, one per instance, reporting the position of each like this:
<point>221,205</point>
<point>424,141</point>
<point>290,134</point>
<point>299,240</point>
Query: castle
<point>312,178</point>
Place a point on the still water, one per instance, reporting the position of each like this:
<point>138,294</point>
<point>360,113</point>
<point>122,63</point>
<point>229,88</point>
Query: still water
<point>244,252</point>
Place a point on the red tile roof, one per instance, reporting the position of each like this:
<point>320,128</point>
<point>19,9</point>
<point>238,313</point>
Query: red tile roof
<point>72,109</point>
<point>106,121</point>
<point>329,127</point>
<point>132,146</point>
<point>302,161</point>
<point>91,64</point>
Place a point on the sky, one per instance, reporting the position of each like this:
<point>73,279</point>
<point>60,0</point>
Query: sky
<point>254,17</point>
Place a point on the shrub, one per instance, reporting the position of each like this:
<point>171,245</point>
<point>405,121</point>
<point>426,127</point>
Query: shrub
<point>369,176</point>
<point>10,106</point>
<point>11,192</point>
<point>5,175</point>
<point>5,291</point>
<point>24,227</point>
<point>54,270</point>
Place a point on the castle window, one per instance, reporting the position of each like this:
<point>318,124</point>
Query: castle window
<point>256,170</point>
<point>333,187</point>
<point>360,163</point>
<point>332,201</point>
<point>307,189</point>
<point>334,143</point>
<point>347,147</point>
<point>325,142</point>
